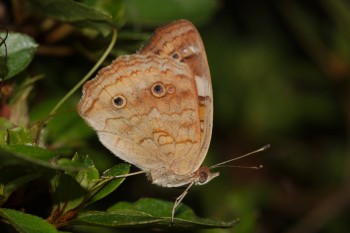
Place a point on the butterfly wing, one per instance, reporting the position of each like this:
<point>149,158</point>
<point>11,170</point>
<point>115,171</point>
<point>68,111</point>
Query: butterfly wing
<point>182,42</point>
<point>166,135</point>
<point>152,130</point>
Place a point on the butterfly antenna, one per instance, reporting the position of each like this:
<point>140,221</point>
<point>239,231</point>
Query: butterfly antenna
<point>250,167</point>
<point>242,156</point>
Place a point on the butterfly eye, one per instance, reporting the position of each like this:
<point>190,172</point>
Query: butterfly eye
<point>175,56</point>
<point>119,101</point>
<point>158,90</point>
<point>203,176</point>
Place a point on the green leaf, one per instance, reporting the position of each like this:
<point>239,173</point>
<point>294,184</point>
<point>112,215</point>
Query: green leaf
<point>144,13</point>
<point>15,136</point>
<point>5,123</point>
<point>88,176</point>
<point>20,52</point>
<point>109,185</point>
<point>67,192</point>
<point>37,156</point>
<point>72,12</point>
<point>11,179</point>
<point>114,8</point>
<point>148,213</point>
<point>26,223</point>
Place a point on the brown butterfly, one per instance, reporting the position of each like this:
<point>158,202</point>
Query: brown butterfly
<point>154,109</point>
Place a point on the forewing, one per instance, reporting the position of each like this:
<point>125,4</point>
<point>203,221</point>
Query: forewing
<point>151,132</point>
<point>182,42</point>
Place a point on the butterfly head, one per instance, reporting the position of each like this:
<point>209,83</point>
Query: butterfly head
<point>204,175</point>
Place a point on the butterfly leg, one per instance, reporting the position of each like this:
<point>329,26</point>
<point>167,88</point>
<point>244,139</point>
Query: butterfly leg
<point>178,201</point>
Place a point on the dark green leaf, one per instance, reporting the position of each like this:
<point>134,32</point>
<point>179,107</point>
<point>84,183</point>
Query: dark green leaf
<point>26,223</point>
<point>72,12</point>
<point>114,8</point>
<point>30,152</point>
<point>37,156</point>
<point>13,178</point>
<point>117,170</point>
<point>148,213</point>
<point>109,185</point>
<point>67,193</point>
<point>142,12</point>
<point>20,52</point>
<point>118,219</point>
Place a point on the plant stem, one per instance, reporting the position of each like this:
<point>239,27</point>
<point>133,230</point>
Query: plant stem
<point>87,76</point>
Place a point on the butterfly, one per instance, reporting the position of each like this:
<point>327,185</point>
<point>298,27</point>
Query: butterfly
<point>154,108</point>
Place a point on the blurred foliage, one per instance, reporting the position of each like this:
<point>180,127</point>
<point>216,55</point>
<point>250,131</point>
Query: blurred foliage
<point>280,73</point>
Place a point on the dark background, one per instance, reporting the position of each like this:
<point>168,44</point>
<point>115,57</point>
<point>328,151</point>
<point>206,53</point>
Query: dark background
<point>280,74</point>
